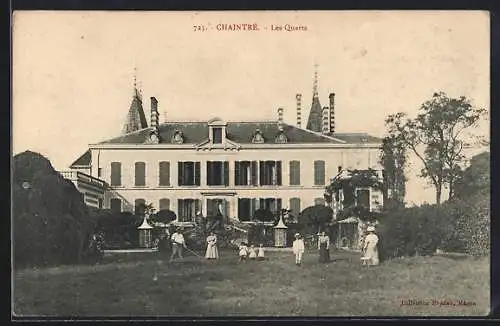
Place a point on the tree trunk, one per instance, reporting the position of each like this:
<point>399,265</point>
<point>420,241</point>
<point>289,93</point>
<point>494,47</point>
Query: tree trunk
<point>438,195</point>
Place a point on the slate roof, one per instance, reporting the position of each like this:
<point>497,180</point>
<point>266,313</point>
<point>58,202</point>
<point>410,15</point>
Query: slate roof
<point>239,132</point>
<point>84,159</point>
<point>136,119</point>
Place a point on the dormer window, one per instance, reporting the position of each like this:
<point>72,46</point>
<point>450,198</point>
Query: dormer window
<point>217,131</point>
<point>281,138</point>
<point>177,138</point>
<point>217,135</point>
<point>257,137</point>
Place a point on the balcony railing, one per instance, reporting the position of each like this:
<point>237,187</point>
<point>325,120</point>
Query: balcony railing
<point>80,176</point>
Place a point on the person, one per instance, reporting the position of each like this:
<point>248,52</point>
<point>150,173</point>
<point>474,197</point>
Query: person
<point>370,249</point>
<point>178,243</point>
<point>298,248</point>
<point>212,252</point>
<point>260,255</point>
<point>324,248</point>
<point>252,254</point>
<point>243,251</point>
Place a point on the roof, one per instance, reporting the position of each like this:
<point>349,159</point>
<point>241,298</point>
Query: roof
<point>135,117</point>
<point>83,160</point>
<point>239,132</point>
<point>314,122</point>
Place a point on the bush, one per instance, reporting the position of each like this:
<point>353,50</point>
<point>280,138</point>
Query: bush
<point>261,234</point>
<point>50,219</point>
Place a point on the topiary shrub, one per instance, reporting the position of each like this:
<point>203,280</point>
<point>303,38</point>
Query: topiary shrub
<point>50,219</point>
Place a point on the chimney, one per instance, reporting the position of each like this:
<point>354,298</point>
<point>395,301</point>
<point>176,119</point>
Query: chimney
<point>154,113</point>
<point>325,125</point>
<point>332,112</point>
<point>280,118</point>
<point>299,106</point>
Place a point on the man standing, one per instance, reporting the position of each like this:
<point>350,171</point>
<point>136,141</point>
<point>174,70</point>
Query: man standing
<point>177,244</point>
<point>298,249</point>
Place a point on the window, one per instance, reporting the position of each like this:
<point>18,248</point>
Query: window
<point>115,204</point>
<point>116,174</point>
<point>140,174</point>
<point>245,173</point>
<point>100,202</point>
<point>217,173</point>
<point>271,204</point>
<point>319,173</point>
<point>295,207</point>
<point>217,207</point>
<point>189,173</point>
<point>187,209</point>
<point>270,173</point>
<point>139,205</point>
<point>164,204</point>
<point>246,209</point>
<point>99,172</point>
<point>294,173</point>
<point>319,201</point>
<point>164,174</point>
<point>363,198</point>
<point>217,135</point>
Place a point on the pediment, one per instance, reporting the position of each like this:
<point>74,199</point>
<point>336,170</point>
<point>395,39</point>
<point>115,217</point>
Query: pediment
<point>228,145</point>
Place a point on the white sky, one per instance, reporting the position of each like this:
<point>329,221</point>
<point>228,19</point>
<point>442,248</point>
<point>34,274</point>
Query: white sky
<point>73,71</point>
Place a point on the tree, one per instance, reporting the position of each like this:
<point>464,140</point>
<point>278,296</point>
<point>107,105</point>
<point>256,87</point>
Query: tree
<point>316,217</point>
<point>435,136</point>
<point>475,181</point>
<point>164,216</point>
<point>264,215</point>
<point>393,160</point>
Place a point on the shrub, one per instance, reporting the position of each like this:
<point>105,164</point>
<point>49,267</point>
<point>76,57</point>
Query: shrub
<point>50,219</point>
<point>314,218</point>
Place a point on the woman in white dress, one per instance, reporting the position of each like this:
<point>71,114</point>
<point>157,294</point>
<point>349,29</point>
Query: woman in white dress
<point>370,247</point>
<point>212,252</point>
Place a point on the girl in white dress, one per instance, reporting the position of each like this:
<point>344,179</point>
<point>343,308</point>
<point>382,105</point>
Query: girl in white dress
<point>243,251</point>
<point>260,254</point>
<point>252,254</point>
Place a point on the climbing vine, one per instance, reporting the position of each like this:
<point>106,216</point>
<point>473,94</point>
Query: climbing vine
<point>354,179</point>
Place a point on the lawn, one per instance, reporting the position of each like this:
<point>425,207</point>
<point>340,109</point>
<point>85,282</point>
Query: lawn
<point>124,286</point>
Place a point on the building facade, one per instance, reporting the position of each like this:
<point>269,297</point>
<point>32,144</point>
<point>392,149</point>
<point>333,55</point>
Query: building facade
<point>93,189</point>
<point>227,167</point>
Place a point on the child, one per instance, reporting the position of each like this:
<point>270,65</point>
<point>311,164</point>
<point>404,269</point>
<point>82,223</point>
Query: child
<point>260,255</point>
<point>243,251</point>
<point>251,253</point>
<point>298,248</point>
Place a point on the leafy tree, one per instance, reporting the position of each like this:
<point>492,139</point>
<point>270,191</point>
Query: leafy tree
<point>435,136</point>
<point>164,216</point>
<point>315,217</point>
<point>264,215</point>
<point>476,178</point>
<point>393,160</point>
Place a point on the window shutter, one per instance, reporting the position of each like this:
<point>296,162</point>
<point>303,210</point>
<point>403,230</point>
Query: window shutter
<point>295,206</point>
<point>237,173</point>
<point>254,173</point>
<point>197,206</point>
<point>180,176</point>
<point>115,204</point>
<point>294,173</point>
<point>261,173</point>
<point>140,174</point>
<point>227,212</point>
<point>164,204</point>
<point>226,173</point>
<point>278,205</point>
<point>138,208</point>
<point>197,173</point>
<point>319,173</point>
<point>164,174</point>
<point>253,208</point>
<point>278,171</point>
<point>116,171</point>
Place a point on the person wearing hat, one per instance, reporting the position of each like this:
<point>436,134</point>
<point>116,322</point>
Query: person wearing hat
<point>370,247</point>
<point>298,248</point>
<point>324,248</point>
<point>178,243</point>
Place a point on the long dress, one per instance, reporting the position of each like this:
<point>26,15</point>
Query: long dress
<point>371,250</point>
<point>324,249</point>
<point>212,252</point>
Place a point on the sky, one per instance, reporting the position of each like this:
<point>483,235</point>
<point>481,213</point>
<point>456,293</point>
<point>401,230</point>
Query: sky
<point>73,72</point>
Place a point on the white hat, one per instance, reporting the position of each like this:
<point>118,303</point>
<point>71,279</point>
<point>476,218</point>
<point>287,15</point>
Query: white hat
<point>297,234</point>
<point>370,228</point>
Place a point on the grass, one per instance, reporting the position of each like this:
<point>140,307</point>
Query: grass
<point>123,285</point>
